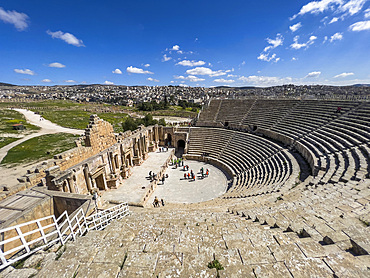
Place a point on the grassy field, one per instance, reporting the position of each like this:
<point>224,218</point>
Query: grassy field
<point>74,115</point>
<point>79,119</point>
<point>10,117</point>
<point>39,148</point>
<point>6,140</point>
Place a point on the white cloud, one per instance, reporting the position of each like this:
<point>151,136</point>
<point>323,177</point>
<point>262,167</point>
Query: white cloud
<point>367,13</point>
<point>193,63</point>
<point>344,74</point>
<point>297,45</point>
<point>67,37</point>
<point>166,58</point>
<point>183,85</point>
<point>316,7</point>
<point>353,6</point>
<point>191,78</point>
<point>265,54</point>
<point>226,81</point>
<point>69,81</point>
<point>336,36</point>
<point>274,42</point>
<point>152,79</point>
<point>19,20</point>
<point>132,69</point>
<point>175,47</point>
<point>147,65</point>
<point>360,26</point>
<point>106,82</point>
<point>313,74</point>
<point>206,71</point>
<point>265,80</point>
<point>25,71</point>
<point>335,19</point>
<point>295,27</point>
<point>267,58</point>
<point>46,80</point>
<point>294,59</point>
<point>117,71</point>
<point>56,65</point>
<point>350,7</point>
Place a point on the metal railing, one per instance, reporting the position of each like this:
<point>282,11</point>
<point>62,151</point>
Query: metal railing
<point>22,240</point>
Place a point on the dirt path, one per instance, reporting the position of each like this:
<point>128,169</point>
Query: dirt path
<point>47,127</point>
<point>9,176</point>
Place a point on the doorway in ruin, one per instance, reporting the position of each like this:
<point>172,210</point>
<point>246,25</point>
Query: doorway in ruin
<point>168,140</point>
<point>180,148</point>
<point>100,182</point>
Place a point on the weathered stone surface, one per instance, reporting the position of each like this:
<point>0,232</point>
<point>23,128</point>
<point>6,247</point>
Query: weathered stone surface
<point>259,255</point>
<point>22,273</point>
<point>98,270</point>
<point>112,253</point>
<point>6,271</point>
<point>34,260</point>
<point>63,268</point>
<point>142,260</point>
<point>287,252</point>
<point>135,272</point>
<point>312,249</point>
<point>82,254</point>
<point>271,270</point>
<point>310,267</point>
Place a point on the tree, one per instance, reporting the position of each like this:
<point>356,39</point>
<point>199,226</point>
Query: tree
<point>162,122</point>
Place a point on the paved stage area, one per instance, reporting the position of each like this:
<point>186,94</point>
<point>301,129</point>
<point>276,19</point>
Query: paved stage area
<point>176,189</point>
<point>131,191</point>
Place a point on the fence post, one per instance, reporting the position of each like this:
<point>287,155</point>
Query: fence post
<point>23,240</point>
<point>42,232</point>
<point>58,230</point>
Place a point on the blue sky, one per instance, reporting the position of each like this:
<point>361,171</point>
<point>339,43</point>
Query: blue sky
<point>188,43</point>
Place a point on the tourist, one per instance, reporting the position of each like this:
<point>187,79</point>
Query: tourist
<point>207,173</point>
<point>156,202</point>
<point>189,176</point>
<point>338,109</point>
<point>162,201</point>
<point>163,178</point>
<point>185,175</point>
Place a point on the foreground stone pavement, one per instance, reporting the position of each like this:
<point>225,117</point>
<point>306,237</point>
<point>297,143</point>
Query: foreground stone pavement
<point>308,232</point>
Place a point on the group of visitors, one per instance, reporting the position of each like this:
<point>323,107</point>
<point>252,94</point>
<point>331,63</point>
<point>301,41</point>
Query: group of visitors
<point>178,162</point>
<point>156,202</point>
<point>191,175</point>
<point>163,149</point>
<point>153,176</point>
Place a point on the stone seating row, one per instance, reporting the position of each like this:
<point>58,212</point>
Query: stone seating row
<point>182,243</point>
<point>278,173</point>
<point>211,111</point>
<point>336,217</point>
<point>257,163</point>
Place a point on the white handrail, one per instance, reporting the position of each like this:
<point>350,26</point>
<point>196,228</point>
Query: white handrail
<point>23,244</point>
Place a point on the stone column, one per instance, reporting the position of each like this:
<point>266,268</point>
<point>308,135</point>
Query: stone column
<point>87,179</point>
<point>71,185</point>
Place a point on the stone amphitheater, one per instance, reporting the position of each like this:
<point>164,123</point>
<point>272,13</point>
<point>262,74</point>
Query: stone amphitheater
<point>297,202</point>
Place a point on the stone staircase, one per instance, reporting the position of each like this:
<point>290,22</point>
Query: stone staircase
<point>261,238</point>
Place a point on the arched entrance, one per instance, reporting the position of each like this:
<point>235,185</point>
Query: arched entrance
<point>180,147</point>
<point>168,140</point>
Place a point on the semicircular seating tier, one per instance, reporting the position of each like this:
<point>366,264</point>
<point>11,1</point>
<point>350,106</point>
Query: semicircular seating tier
<point>257,165</point>
<point>332,135</point>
